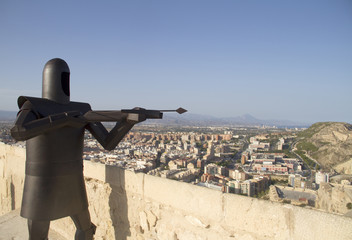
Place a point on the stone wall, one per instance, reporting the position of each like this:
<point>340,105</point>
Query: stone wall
<point>125,205</point>
<point>12,164</point>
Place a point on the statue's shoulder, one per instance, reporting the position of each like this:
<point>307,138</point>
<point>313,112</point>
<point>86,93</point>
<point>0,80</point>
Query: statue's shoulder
<point>33,100</point>
<point>47,107</point>
<point>83,107</point>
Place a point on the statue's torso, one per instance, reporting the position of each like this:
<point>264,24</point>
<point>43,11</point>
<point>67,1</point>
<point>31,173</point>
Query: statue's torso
<point>54,186</point>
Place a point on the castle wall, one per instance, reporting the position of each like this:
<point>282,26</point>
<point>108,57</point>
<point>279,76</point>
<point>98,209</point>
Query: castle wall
<point>126,205</point>
<point>12,166</point>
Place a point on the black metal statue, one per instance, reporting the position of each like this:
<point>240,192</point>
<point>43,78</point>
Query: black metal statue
<point>53,127</point>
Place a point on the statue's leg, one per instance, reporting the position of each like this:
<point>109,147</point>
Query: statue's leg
<point>85,228</point>
<point>38,230</point>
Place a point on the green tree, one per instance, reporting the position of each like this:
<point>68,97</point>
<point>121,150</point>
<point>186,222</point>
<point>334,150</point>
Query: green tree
<point>349,205</point>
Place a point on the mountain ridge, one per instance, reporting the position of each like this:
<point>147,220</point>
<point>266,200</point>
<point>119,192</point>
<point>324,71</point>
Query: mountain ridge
<point>193,119</point>
<point>204,120</point>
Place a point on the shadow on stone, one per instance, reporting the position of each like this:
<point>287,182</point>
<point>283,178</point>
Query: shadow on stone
<point>13,196</point>
<point>115,177</point>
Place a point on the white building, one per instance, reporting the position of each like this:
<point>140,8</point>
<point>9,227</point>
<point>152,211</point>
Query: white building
<point>321,178</point>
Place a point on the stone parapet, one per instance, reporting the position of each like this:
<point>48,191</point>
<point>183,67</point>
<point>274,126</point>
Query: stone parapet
<point>12,166</point>
<point>128,205</point>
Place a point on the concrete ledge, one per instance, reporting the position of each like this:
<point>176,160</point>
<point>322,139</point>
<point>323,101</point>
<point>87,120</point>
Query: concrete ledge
<point>191,199</point>
<point>322,224</point>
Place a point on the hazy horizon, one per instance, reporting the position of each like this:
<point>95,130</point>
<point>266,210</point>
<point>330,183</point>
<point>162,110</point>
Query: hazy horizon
<point>246,118</point>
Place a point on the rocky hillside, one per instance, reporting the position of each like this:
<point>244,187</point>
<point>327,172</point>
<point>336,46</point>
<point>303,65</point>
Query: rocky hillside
<point>330,143</point>
<point>334,198</point>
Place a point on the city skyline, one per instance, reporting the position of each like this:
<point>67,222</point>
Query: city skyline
<point>272,59</point>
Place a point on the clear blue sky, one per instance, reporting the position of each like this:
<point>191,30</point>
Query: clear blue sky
<point>272,59</point>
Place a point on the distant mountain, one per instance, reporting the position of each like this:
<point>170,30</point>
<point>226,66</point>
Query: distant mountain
<point>249,119</point>
<point>191,119</point>
<point>329,143</point>
<point>7,115</point>
<point>246,118</point>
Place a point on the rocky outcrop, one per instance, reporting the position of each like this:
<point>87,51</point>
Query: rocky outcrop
<point>330,143</point>
<point>334,197</point>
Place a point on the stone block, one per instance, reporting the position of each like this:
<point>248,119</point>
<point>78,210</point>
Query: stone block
<point>125,180</point>
<point>134,183</point>
<point>94,170</point>
<point>312,224</point>
<point>198,201</point>
<point>259,217</point>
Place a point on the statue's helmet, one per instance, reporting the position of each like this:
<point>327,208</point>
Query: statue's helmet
<point>56,81</point>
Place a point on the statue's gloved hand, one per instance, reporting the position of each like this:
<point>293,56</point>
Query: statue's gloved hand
<point>136,118</point>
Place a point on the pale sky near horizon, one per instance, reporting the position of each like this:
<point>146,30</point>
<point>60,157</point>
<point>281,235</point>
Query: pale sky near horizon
<point>285,60</point>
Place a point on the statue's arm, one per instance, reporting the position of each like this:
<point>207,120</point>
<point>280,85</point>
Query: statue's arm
<point>29,124</point>
<point>109,140</point>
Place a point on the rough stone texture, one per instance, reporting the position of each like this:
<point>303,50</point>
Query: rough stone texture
<point>273,194</point>
<point>125,205</point>
<point>345,167</point>
<point>12,167</point>
<point>334,197</point>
